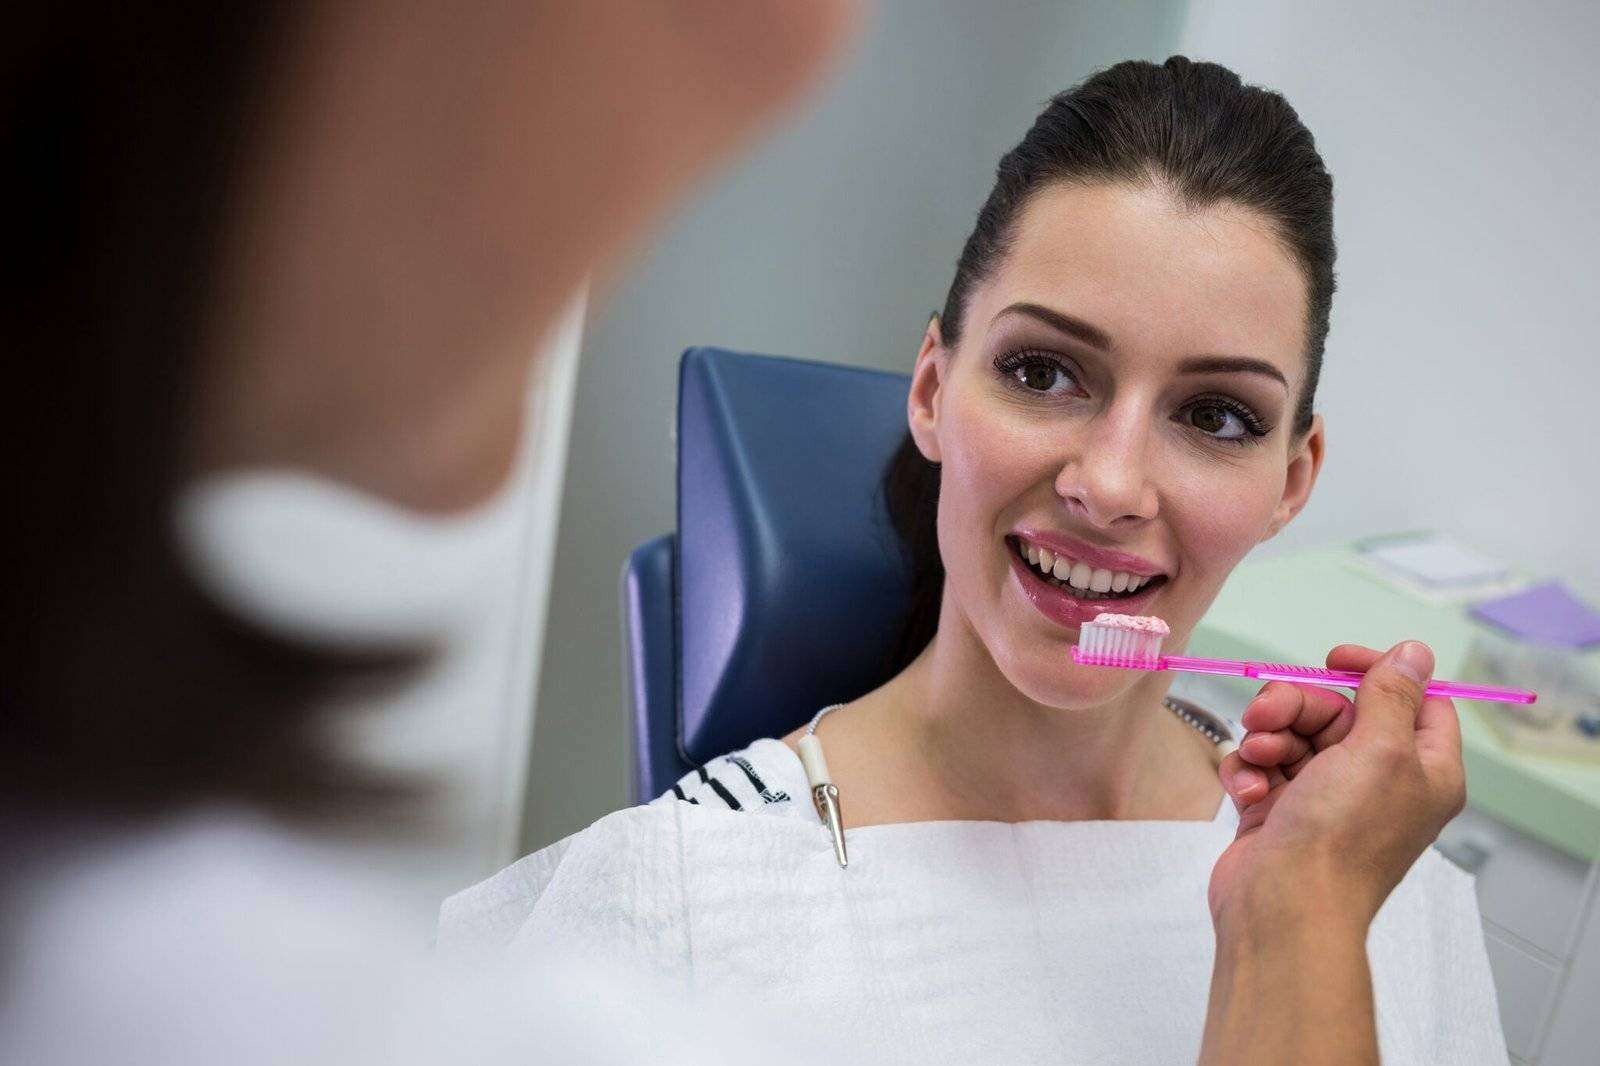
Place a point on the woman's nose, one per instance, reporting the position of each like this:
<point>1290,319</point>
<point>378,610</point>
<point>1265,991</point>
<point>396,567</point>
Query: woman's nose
<point>1108,483</point>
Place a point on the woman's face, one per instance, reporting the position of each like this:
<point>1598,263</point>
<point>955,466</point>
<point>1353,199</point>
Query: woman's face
<point>1120,409</point>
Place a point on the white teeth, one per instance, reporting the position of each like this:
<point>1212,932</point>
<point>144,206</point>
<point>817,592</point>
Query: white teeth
<point>1081,576</point>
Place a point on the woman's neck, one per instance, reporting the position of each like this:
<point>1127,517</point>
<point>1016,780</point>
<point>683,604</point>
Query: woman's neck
<point>951,738</point>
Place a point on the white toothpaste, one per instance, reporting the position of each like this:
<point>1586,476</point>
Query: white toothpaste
<point>1138,623</point>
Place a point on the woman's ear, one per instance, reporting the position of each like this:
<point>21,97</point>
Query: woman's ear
<point>922,403</point>
<point>1305,461</point>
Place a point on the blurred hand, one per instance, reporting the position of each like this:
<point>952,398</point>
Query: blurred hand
<point>1337,798</point>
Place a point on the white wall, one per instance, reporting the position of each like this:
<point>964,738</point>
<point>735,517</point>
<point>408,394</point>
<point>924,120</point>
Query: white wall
<point>1461,379</point>
<point>834,241</point>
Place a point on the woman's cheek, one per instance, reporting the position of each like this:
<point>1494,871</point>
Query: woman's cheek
<point>1220,519</point>
<point>989,437</point>
<point>962,486</point>
<point>983,475</point>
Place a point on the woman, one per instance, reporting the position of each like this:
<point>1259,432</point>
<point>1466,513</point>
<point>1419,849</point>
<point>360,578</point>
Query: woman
<point>1114,407</point>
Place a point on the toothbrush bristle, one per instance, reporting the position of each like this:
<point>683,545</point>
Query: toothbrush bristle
<point>1122,640</point>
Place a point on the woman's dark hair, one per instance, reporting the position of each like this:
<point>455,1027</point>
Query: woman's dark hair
<point>123,691</point>
<point>1192,128</point>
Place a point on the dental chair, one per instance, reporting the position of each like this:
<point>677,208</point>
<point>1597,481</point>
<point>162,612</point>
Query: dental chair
<point>783,588</point>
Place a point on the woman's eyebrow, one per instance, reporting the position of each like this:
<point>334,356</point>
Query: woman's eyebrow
<point>1093,336</point>
<point>1231,364</point>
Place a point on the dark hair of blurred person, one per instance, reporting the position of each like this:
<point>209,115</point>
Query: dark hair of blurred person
<point>124,689</point>
<point>223,218</point>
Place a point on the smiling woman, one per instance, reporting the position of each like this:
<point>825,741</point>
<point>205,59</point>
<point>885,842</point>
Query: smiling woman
<point>1114,407</point>
<point>1122,396</point>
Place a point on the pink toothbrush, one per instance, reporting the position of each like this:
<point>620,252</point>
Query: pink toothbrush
<point>1133,642</point>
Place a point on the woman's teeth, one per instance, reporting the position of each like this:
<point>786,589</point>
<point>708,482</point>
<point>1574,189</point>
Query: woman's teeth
<point>1060,570</point>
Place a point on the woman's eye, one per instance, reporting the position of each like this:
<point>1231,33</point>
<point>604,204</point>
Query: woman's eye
<point>1038,374</point>
<point>1042,376</point>
<point>1218,421</point>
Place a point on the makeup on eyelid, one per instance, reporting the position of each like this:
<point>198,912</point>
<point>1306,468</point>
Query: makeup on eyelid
<point>1012,363</point>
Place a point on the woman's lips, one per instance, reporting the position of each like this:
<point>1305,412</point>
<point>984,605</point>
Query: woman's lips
<point>1064,609</point>
<point>1098,558</point>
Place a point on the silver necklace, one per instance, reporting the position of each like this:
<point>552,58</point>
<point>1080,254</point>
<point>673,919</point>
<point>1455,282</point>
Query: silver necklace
<point>825,794</point>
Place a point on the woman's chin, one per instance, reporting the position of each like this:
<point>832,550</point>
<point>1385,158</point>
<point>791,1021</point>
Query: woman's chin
<point>1066,686</point>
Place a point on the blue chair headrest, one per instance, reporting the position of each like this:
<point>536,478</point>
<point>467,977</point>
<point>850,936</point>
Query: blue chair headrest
<point>791,586</point>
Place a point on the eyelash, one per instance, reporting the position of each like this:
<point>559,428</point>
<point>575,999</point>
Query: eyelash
<point>1008,363</point>
<point>1255,428</point>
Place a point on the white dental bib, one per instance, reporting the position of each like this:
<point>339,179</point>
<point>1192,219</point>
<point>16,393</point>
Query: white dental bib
<point>950,942</point>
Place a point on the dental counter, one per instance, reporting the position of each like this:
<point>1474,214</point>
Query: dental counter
<point>1530,834</point>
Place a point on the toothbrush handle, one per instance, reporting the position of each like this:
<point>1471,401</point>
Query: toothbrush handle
<point>1307,675</point>
<point>1311,675</point>
<point>1457,690</point>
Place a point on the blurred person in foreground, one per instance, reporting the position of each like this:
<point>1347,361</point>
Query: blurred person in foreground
<point>323,239</point>
<point>326,239</point>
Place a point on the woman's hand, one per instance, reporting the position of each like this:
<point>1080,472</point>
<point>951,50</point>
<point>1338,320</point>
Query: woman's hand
<point>1337,798</point>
